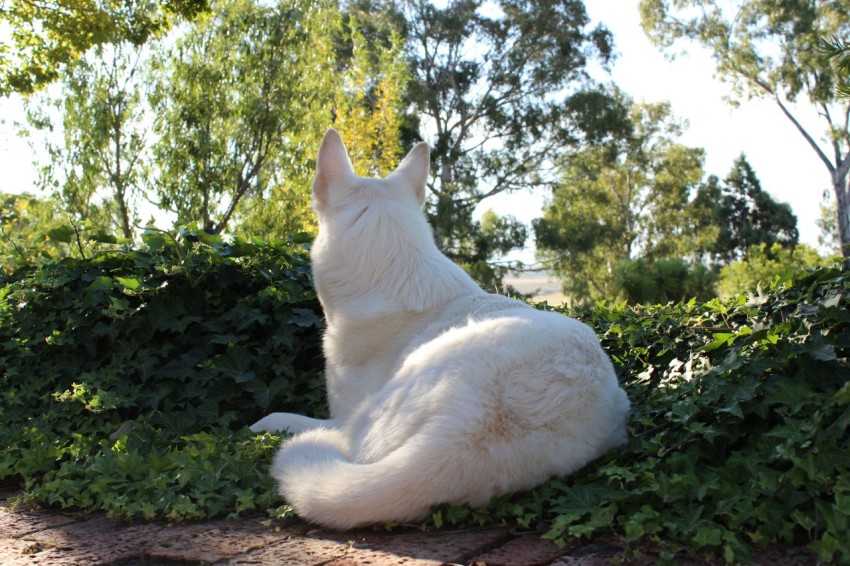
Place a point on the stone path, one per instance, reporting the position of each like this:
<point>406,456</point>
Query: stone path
<point>50,537</point>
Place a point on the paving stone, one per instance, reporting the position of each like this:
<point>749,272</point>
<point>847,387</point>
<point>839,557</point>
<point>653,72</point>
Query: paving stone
<point>295,550</point>
<point>436,547</point>
<point>15,524</point>
<point>593,559</point>
<point>12,547</point>
<point>96,541</point>
<point>54,557</point>
<point>602,551</point>
<point>368,557</point>
<point>215,541</point>
<point>528,550</point>
<point>49,537</point>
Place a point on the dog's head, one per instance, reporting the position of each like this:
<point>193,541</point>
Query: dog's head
<point>341,197</point>
<point>375,252</point>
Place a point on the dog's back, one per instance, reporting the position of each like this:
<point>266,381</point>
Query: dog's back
<point>438,391</point>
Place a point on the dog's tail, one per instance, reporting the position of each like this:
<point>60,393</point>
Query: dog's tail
<point>318,479</point>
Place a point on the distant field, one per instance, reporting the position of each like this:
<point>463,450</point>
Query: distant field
<point>543,286</point>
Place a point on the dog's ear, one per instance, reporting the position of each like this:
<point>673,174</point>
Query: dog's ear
<point>332,165</point>
<point>414,169</point>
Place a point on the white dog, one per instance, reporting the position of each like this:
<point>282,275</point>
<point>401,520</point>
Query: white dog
<point>438,391</point>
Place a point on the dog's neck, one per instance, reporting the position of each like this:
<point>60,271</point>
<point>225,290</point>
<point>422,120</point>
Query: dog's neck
<point>403,273</point>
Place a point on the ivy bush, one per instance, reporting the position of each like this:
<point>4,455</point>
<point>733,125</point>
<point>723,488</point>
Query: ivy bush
<point>128,378</point>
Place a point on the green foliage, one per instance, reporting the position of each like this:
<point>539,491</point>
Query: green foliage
<point>352,75</point>
<point>746,215</point>
<point>234,97</point>
<point>828,241</point>
<point>23,219</point>
<point>133,373</point>
<point>491,237</point>
<point>838,51</point>
<point>150,474</point>
<point>625,199</point>
<point>740,428</point>
<point>763,265</point>
<point>219,123</point>
<point>369,83</point>
<point>663,281</point>
<point>499,89</point>
<point>43,37</point>
<point>124,374</point>
<point>774,49</point>
<point>94,161</point>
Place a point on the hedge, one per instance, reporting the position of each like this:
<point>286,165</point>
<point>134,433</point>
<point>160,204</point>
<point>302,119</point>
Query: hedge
<point>129,378</point>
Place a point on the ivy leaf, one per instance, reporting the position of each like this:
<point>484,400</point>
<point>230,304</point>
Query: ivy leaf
<point>437,517</point>
<point>720,339</point>
<point>831,301</point>
<point>100,283</point>
<point>103,238</point>
<point>236,362</point>
<point>131,283</point>
<point>264,393</point>
<point>708,536</point>
<point>156,241</point>
<point>304,318</point>
<point>820,350</point>
<point>842,396</point>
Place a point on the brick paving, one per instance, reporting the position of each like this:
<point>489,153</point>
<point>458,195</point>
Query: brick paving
<point>52,537</point>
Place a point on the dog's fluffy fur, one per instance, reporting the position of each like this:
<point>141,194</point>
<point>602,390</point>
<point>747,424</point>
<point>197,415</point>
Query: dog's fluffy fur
<point>438,391</point>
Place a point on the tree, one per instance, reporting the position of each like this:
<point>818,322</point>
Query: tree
<point>244,98</point>
<point>828,225</point>
<point>45,37</point>
<point>24,221</point>
<point>491,237</point>
<point>360,78</point>
<point>629,198</point>
<point>748,216</point>
<point>97,167</point>
<point>769,48</point>
<point>494,85</point>
<point>763,264</point>
<point>664,280</point>
<point>240,101</point>
<point>369,85</point>
<point>235,98</point>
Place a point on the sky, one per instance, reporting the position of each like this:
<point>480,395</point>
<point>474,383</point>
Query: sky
<point>787,167</point>
<point>785,164</point>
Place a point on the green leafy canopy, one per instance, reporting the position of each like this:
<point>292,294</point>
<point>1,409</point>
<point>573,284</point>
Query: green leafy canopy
<point>43,37</point>
<point>774,49</point>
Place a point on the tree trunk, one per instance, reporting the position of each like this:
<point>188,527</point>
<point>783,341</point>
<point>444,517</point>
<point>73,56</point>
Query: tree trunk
<point>118,182</point>
<point>839,171</point>
<point>443,205</point>
<point>126,228</point>
<point>843,206</point>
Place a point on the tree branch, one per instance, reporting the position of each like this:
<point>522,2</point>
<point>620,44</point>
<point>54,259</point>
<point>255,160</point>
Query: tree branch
<point>765,87</point>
